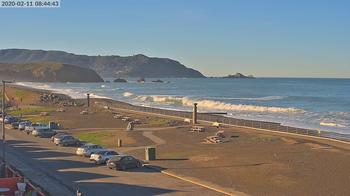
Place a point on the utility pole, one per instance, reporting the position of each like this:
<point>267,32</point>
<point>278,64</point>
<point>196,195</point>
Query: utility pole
<point>3,122</point>
<point>3,125</point>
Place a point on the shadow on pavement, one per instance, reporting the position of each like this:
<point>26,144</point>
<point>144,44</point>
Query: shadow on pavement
<point>92,189</point>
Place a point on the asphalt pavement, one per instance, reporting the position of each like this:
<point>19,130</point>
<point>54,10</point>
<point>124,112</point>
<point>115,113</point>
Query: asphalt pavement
<point>59,171</point>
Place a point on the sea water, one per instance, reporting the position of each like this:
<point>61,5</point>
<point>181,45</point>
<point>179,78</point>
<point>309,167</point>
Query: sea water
<point>302,102</point>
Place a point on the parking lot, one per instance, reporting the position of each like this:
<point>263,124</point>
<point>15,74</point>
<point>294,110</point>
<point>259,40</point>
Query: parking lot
<point>59,171</point>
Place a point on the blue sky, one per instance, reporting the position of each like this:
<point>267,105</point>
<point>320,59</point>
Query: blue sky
<point>280,38</point>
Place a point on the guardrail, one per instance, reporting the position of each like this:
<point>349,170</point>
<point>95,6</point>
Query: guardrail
<point>30,188</point>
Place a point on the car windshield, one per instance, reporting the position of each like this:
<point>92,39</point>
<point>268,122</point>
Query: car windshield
<point>101,152</point>
<point>96,146</point>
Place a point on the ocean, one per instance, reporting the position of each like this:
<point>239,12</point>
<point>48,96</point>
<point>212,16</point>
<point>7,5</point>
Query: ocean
<point>322,104</point>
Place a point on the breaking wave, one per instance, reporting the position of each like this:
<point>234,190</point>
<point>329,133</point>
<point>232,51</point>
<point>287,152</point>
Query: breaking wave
<point>210,104</point>
<point>128,94</point>
<point>331,124</point>
<point>267,98</point>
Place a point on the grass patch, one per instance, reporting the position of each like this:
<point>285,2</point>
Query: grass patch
<point>21,94</point>
<point>40,119</point>
<point>103,138</point>
<point>31,110</point>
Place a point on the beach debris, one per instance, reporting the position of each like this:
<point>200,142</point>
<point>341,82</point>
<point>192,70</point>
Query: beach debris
<point>84,112</point>
<point>218,138</point>
<point>197,129</point>
<point>187,120</point>
<point>53,98</point>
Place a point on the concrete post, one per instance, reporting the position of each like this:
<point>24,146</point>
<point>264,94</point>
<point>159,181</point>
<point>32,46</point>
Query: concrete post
<point>194,115</point>
<point>119,143</point>
<point>88,100</point>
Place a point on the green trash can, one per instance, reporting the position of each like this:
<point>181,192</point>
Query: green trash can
<point>150,153</point>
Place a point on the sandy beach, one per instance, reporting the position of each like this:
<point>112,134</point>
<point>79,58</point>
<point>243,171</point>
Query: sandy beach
<point>252,162</point>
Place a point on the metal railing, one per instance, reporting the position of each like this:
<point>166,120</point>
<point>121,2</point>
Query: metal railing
<point>236,122</point>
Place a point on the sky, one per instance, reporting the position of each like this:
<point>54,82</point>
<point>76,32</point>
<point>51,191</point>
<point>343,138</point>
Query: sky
<point>266,38</point>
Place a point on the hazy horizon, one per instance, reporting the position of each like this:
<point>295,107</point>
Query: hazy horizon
<point>266,39</point>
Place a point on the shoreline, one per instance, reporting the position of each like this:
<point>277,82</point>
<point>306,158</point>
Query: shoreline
<point>254,124</point>
<point>284,115</point>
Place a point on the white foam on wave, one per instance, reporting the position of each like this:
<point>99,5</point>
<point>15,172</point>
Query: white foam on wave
<point>127,94</point>
<point>67,91</point>
<point>331,124</point>
<point>92,95</point>
<point>267,98</point>
<point>213,105</point>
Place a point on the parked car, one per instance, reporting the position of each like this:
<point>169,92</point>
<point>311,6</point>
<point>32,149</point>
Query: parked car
<point>22,125</point>
<point>88,149</point>
<point>54,125</point>
<point>43,132</point>
<point>66,140</point>
<point>58,135</point>
<point>10,119</point>
<point>28,129</point>
<point>102,156</point>
<point>123,162</point>
<point>15,125</point>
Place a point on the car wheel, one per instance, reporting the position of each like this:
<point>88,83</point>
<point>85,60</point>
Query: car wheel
<point>138,164</point>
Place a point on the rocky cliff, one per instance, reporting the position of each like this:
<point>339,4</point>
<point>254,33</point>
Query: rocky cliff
<point>47,72</point>
<point>107,66</point>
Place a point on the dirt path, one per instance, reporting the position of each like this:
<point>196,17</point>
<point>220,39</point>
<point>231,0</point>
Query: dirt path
<point>157,140</point>
<point>121,129</point>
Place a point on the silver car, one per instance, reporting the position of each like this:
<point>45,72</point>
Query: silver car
<point>43,132</point>
<point>66,140</point>
<point>28,129</point>
<point>88,149</point>
<point>102,156</point>
<point>22,125</point>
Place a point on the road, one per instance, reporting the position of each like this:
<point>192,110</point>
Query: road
<point>58,170</point>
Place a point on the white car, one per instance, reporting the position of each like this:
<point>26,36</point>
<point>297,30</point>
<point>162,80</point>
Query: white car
<point>102,156</point>
<point>88,149</point>
<point>28,129</point>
